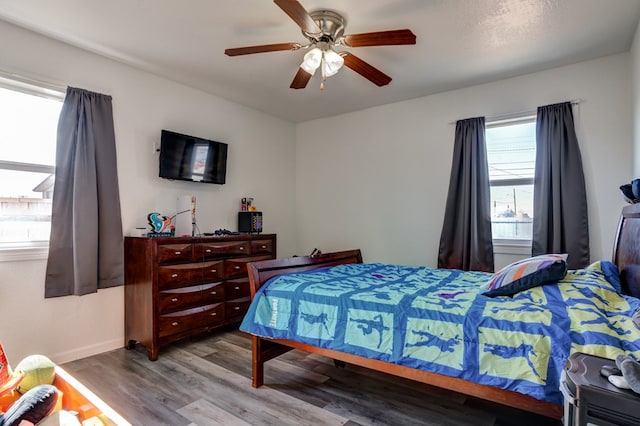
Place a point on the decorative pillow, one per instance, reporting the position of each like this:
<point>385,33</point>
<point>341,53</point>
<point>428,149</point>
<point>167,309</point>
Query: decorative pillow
<point>527,273</point>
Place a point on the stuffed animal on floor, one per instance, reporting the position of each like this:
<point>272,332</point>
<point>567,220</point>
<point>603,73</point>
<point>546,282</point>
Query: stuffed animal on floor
<point>33,378</point>
<point>37,370</point>
<point>33,406</point>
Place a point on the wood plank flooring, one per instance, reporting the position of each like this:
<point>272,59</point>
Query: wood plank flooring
<point>207,381</point>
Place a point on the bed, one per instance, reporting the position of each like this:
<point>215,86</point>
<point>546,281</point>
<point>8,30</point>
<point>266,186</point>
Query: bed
<point>434,326</point>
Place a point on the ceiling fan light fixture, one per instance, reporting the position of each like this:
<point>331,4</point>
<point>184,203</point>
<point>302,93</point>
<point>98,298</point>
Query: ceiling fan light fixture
<point>312,60</point>
<point>332,63</point>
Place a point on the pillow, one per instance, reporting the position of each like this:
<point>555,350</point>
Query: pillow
<point>612,275</point>
<point>527,273</point>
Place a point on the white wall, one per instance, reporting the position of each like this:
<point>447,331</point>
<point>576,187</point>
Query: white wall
<point>260,164</point>
<point>635,72</point>
<point>377,179</point>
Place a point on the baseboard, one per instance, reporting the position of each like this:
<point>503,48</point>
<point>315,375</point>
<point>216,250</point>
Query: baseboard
<point>85,351</point>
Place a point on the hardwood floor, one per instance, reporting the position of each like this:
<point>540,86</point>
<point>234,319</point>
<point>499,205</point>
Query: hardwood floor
<point>207,381</point>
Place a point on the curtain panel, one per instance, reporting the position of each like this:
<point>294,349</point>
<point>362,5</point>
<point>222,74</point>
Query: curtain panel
<point>86,243</point>
<point>560,222</point>
<point>466,242</point>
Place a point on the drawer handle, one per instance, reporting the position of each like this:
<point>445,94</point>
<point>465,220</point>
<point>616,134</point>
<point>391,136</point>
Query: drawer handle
<point>175,299</point>
<point>241,248</point>
<point>174,275</point>
<point>236,288</point>
<point>208,251</point>
<point>175,323</point>
<point>236,268</point>
<point>237,308</point>
<point>264,247</point>
<point>178,252</point>
<point>213,314</point>
<point>213,271</point>
<point>214,293</point>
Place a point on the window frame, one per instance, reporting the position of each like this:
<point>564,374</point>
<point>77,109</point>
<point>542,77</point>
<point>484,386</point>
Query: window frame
<point>517,246</point>
<point>29,250</point>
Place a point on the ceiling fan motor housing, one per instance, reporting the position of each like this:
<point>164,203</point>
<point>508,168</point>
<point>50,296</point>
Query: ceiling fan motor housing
<point>330,23</point>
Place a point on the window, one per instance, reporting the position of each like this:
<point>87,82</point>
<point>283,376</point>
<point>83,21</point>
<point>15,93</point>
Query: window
<point>28,126</point>
<point>511,156</point>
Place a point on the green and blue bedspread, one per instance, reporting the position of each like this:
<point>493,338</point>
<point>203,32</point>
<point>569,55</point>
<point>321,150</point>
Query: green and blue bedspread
<point>437,320</point>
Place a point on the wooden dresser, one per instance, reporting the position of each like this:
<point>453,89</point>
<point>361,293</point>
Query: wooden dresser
<point>180,286</point>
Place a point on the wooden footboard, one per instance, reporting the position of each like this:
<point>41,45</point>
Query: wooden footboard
<point>266,349</point>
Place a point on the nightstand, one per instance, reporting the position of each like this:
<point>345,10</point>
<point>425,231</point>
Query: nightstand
<point>591,399</point>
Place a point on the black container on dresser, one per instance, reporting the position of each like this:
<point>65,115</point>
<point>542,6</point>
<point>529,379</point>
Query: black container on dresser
<point>177,287</point>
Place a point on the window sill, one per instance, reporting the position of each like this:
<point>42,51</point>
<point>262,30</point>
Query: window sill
<point>15,253</point>
<point>517,247</point>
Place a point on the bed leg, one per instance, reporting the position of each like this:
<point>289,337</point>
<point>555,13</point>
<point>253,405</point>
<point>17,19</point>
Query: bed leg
<point>339,364</point>
<point>257,362</point>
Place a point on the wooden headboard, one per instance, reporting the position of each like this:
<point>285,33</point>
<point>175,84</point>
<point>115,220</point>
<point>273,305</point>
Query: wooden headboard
<point>626,249</point>
<point>260,272</point>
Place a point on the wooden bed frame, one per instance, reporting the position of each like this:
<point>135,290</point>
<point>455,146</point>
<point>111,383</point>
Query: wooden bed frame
<point>626,252</point>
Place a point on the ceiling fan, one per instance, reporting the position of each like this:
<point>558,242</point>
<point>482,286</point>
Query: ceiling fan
<point>324,30</point>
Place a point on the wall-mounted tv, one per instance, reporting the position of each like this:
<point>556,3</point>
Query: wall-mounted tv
<point>184,157</point>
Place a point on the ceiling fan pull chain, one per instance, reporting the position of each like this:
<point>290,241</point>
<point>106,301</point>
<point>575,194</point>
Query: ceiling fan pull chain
<point>324,76</point>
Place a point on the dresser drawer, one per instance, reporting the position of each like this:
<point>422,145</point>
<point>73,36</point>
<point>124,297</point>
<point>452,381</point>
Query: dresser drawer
<point>171,276</point>
<point>217,248</point>
<point>235,309</point>
<point>178,322</point>
<point>179,298</point>
<point>210,271</point>
<point>235,289</point>
<point>168,253</point>
<point>212,293</point>
<point>261,247</point>
<point>238,267</point>
<point>213,314</point>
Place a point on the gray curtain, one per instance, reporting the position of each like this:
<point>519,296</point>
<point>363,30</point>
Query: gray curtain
<point>560,222</point>
<point>466,242</point>
<point>86,243</point>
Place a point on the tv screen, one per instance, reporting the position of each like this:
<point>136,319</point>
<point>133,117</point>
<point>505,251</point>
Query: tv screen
<point>184,157</point>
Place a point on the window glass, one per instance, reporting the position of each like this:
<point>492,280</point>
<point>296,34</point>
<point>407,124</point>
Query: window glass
<point>511,156</point>
<point>28,126</point>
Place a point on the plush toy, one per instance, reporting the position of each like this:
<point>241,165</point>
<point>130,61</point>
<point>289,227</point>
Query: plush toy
<point>37,370</point>
<point>33,406</point>
<point>630,369</point>
<point>33,378</point>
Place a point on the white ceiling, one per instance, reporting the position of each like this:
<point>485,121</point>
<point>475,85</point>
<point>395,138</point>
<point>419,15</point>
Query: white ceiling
<point>459,43</point>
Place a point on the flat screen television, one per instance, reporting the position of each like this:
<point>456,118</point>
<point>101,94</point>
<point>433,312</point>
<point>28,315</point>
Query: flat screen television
<point>184,157</point>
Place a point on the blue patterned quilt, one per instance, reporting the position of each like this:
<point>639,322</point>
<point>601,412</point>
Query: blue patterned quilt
<point>437,320</point>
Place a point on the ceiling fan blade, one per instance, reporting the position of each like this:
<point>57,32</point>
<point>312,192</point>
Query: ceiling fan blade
<point>262,48</point>
<point>301,79</point>
<point>298,13</point>
<point>372,74</point>
<point>380,38</point>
